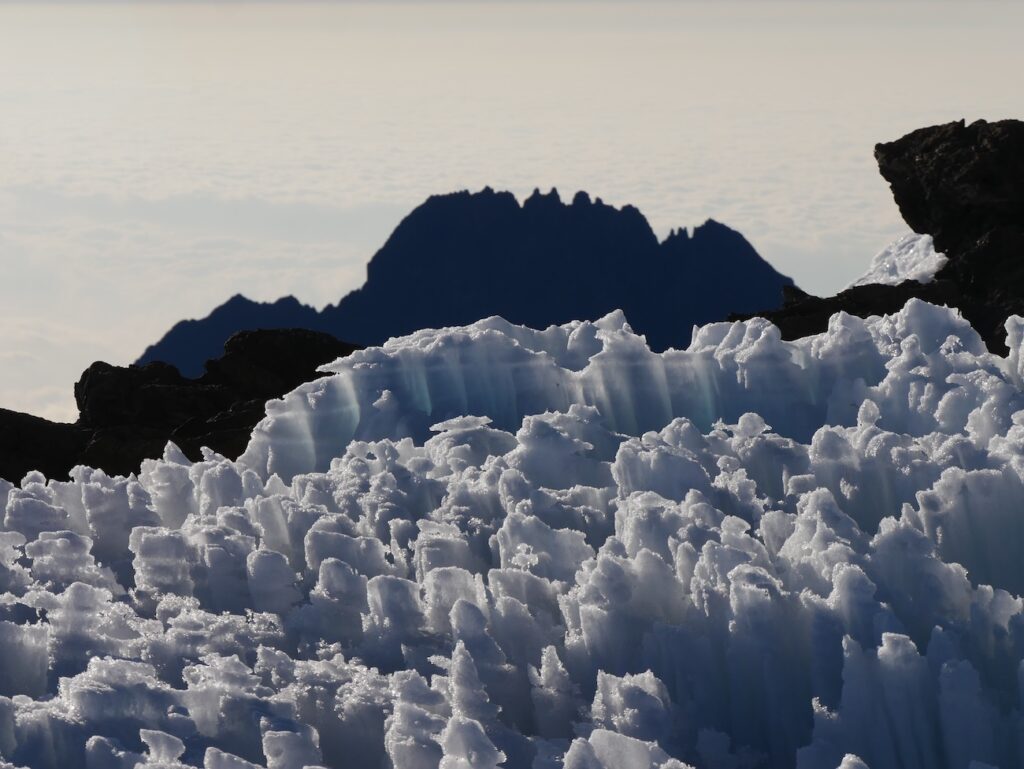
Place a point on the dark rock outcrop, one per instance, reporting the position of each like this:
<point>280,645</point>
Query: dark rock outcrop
<point>964,186</point>
<point>805,314</point>
<point>193,342</point>
<point>464,256</point>
<point>127,414</point>
<point>29,442</point>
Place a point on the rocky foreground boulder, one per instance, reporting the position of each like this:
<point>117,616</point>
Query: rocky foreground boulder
<point>128,413</point>
<point>964,186</point>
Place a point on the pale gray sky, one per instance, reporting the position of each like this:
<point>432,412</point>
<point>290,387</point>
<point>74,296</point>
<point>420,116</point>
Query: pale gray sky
<point>157,158</point>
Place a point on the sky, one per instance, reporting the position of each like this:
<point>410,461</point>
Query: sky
<point>156,159</point>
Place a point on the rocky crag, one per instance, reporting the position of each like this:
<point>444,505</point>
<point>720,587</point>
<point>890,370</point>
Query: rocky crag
<point>461,257</point>
<point>964,186</point>
<point>128,414</point>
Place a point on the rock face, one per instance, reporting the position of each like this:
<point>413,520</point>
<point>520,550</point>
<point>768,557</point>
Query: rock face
<point>29,442</point>
<point>465,256</point>
<point>193,342</point>
<point>964,186</point>
<point>129,413</point>
<point>803,314</point>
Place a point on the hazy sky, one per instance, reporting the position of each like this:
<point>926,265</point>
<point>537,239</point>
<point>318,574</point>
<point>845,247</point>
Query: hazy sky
<point>157,158</point>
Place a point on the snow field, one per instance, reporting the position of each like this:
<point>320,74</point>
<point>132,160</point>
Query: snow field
<point>492,546</point>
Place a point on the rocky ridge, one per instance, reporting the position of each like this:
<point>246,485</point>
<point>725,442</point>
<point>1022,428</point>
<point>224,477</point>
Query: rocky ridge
<point>464,256</point>
<point>128,413</point>
<point>963,185</point>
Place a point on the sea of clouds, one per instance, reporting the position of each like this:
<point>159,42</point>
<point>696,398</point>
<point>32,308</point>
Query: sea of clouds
<point>495,546</point>
<point>160,157</point>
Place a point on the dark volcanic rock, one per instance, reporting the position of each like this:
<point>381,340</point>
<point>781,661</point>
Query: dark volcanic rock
<point>964,186</point>
<point>190,343</point>
<point>151,395</point>
<point>804,314</point>
<point>465,256</point>
<point>127,414</point>
<point>32,443</point>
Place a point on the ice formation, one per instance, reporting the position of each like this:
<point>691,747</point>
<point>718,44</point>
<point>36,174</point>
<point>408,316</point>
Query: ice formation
<point>491,546</point>
<point>909,257</point>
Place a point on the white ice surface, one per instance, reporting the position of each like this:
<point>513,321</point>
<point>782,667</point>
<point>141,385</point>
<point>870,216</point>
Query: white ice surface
<point>909,257</point>
<point>493,546</point>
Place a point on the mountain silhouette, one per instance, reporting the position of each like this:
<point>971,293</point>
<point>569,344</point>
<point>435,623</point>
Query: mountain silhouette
<point>464,256</point>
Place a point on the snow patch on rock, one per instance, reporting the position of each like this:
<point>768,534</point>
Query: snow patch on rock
<point>909,257</point>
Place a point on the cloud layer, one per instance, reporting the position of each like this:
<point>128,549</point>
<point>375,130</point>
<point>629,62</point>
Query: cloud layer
<point>163,157</point>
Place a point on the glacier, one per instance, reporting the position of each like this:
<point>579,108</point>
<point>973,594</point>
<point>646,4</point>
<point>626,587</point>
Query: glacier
<point>496,546</point>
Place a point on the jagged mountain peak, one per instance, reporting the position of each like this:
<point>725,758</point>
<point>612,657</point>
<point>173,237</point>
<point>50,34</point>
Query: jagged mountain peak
<point>462,256</point>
